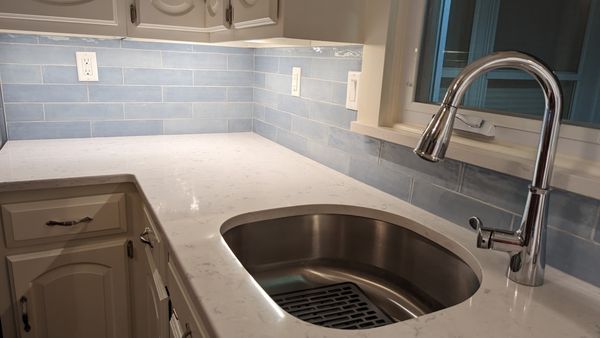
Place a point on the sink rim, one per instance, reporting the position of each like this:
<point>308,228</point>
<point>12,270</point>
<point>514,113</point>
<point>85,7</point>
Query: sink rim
<point>437,237</point>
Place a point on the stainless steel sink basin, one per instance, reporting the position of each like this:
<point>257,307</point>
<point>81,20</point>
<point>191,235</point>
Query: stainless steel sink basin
<point>401,272</point>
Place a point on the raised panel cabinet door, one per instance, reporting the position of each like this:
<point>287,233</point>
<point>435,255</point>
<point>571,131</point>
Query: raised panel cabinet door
<point>150,297</point>
<point>100,17</point>
<point>151,312</point>
<point>169,19</point>
<point>215,15</point>
<point>252,13</point>
<point>72,293</point>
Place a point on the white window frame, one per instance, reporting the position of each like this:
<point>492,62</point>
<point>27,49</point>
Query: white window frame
<point>387,109</point>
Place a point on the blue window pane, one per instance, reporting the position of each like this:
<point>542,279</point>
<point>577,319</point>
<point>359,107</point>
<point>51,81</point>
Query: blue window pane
<point>565,34</point>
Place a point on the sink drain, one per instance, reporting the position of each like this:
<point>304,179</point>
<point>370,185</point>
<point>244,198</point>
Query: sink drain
<point>340,306</point>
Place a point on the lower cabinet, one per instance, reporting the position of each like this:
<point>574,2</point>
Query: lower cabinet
<point>74,292</point>
<point>88,264</point>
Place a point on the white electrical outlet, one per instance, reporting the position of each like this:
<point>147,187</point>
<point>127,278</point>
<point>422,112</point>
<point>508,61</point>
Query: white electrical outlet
<point>352,90</point>
<point>296,79</point>
<point>87,66</point>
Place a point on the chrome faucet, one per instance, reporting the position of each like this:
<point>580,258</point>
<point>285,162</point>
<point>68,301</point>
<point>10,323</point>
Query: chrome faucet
<point>527,245</point>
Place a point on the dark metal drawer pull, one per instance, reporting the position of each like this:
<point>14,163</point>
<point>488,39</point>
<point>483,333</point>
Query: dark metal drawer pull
<point>69,223</point>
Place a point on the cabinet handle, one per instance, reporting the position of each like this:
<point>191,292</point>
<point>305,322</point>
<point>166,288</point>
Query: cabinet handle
<point>229,15</point>
<point>69,223</point>
<point>188,331</point>
<point>145,237</point>
<point>133,13</point>
<point>24,315</point>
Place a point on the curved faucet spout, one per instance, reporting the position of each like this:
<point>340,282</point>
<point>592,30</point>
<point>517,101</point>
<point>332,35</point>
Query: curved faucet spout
<point>436,137</point>
<point>527,244</point>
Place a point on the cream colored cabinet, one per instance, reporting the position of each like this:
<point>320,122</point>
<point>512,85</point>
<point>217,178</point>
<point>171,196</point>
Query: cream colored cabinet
<point>88,262</point>
<point>216,15</point>
<point>253,13</point>
<point>150,297</point>
<point>295,22</point>
<point>97,17</point>
<point>168,19</point>
<point>72,293</point>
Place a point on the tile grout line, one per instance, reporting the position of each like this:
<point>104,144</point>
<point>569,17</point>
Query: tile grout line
<point>596,229</point>
<point>461,177</point>
<point>412,190</point>
<point>5,123</point>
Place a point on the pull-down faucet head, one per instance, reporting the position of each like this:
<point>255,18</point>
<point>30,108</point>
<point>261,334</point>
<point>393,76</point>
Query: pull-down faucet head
<point>435,139</point>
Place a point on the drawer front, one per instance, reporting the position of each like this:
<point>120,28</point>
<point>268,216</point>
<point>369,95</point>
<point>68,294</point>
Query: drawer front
<point>184,321</point>
<point>64,219</point>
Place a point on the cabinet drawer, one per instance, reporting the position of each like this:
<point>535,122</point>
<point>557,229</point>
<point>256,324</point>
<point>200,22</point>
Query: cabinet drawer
<point>39,222</point>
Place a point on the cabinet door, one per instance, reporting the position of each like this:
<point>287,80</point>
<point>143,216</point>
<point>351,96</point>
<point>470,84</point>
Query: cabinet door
<point>184,319</point>
<point>100,17</point>
<point>150,298</point>
<point>215,15</point>
<point>169,19</point>
<point>72,293</point>
<point>252,13</point>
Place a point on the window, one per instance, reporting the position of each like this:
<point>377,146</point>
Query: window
<point>565,34</point>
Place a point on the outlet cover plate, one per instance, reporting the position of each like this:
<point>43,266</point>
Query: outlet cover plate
<point>87,66</point>
<point>296,79</point>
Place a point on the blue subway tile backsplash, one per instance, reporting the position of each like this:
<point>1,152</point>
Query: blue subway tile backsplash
<point>153,88</point>
<point>144,88</point>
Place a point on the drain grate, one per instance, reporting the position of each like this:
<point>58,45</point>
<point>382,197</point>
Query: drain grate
<point>340,306</point>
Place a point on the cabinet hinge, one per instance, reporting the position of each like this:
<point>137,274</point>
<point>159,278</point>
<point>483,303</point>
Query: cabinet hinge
<point>130,249</point>
<point>133,13</point>
<point>229,15</point>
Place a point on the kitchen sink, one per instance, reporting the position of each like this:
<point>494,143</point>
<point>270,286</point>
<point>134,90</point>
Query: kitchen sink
<point>350,272</point>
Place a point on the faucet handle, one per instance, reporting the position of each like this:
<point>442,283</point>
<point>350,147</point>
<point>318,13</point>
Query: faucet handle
<point>484,235</point>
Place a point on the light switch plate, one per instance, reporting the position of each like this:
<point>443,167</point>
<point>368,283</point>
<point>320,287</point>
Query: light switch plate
<point>87,66</point>
<point>296,79</point>
<point>352,90</point>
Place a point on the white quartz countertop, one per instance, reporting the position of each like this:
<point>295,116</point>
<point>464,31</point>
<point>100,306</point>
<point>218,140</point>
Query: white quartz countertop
<point>195,183</point>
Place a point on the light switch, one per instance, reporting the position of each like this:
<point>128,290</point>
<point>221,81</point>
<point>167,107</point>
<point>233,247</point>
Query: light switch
<point>352,90</point>
<point>87,66</point>
<point>296,78</point>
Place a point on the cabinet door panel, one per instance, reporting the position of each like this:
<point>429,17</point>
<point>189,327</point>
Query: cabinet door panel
<point>150,298</point>
<point>169,19</point>
<point>252,13</point>
<point>157,308</point>
<point>65,16</point>
<point>215,14</point>
<point>71,293</point>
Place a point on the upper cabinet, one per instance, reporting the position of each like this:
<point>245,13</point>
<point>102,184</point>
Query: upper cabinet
<point>216,15</point>
<point>282,21</point>
<point>253,13</point>
<point>168,19</point>
<point>287,21</point>
<point>95,17</point>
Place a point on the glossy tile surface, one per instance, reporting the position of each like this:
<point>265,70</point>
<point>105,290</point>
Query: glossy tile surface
<point>144,87</point>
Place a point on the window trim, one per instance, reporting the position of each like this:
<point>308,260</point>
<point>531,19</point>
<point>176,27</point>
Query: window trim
<point>388,111</point>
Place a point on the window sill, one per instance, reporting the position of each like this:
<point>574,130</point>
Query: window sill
<point>572,174</point>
